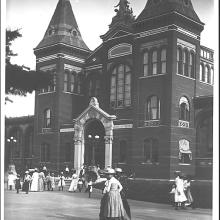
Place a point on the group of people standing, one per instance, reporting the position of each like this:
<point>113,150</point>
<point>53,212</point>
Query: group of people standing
<point>181,191</point>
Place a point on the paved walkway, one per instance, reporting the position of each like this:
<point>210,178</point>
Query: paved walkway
<point>77,206</point>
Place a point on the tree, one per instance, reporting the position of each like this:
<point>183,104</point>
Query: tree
<point>20,80</point>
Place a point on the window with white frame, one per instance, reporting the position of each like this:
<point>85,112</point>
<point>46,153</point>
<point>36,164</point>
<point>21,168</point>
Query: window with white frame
<point>191,65</point>
<point>185,63</point>
<point>146,63</point>
<point>179,61</point>
<point>120,94</point>
<point>154,62</point>
<point>185,154</point>
<point>47,118</point>
<point>65,81</point>
<point>163,60</point>
<point>153,108</point>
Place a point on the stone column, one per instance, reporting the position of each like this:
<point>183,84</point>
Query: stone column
<point>77,155</point>
<point>108,145</point>
<point>78,142</point>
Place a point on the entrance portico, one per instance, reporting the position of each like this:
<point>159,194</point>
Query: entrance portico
<point>92,113</point>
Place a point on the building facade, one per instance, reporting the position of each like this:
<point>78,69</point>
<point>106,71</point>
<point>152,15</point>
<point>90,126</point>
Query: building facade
<point>142,100</point>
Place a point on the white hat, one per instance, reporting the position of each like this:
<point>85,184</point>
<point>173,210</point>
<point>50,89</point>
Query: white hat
<point>26,171</point>
<point>119,170</point>
<point>110,171</point>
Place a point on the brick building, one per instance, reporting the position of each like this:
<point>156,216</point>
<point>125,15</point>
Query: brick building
<point>142,100</point>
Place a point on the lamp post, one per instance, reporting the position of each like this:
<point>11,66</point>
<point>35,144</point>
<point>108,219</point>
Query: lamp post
<point>11,141</point>
<point>11,167</point>
<point>93,139</point>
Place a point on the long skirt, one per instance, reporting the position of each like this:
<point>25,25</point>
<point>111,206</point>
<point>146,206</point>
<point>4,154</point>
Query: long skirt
<point>113,206</point>
<point>26,186</point>
<point>41,185</point>
<point>189,196</point>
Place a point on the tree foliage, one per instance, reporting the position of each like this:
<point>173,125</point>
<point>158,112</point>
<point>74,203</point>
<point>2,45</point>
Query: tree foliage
<point>20,80</point>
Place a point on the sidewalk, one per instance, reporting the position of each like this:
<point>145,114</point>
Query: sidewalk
<point>77,206</point>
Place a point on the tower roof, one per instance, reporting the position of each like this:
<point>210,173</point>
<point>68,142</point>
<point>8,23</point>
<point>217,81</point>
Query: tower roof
<point>155,8</point>
<point>63,28</point>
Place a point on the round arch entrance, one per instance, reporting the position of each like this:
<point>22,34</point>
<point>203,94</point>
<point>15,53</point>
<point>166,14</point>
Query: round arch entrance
<point>94,137</point>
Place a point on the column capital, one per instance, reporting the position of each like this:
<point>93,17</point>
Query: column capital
<point>108,139</point>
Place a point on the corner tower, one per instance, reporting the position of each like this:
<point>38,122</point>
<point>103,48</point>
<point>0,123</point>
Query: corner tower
<point>167,36</point>
<point>62,51</point>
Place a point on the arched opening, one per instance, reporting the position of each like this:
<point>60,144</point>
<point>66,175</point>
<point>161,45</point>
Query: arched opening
<point>94,153</point>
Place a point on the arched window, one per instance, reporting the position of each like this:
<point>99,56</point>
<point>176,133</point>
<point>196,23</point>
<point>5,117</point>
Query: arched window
<point>163,60</point>
<point>191,66</point>
<point>179,61</point>
<point>153,108</point>
<point>185,63</point>
<point>151,153</point>
<point>47,118</point>
<point>45,153</point>
<point>123,151</point>
<point>154,62</point>
<point>120,94</point>
<point>184,109</point>
<point>185,154</point>
<point>146,63</point>
<point>202,73</point>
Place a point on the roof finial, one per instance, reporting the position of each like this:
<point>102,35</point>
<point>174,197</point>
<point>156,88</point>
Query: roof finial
<point>123,6</point>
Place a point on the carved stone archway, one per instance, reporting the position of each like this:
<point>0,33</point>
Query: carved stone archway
<point>93,111</point>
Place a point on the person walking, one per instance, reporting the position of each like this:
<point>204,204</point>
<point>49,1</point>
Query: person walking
<point>18,183</point>
<point>34,183</point>
<point>122,178</point>
<point>61,182</point>
<point>27,180</point>
<point>179,196</point>
<point>187,190</point>
<point>41,181</point>
<point>73,185</point>
<point>111,203</point>
<point>80,185</point>
<point>48,181</point>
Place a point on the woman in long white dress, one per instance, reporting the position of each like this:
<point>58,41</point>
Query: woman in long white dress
<point>34,183</point>
<point>180,197</point>
<point>41,181</point>
<point>74,182</point>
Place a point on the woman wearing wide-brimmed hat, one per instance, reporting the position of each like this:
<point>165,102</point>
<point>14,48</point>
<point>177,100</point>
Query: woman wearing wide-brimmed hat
<point>123,179</point>
<point>111,203</point>
<point>27,180</point>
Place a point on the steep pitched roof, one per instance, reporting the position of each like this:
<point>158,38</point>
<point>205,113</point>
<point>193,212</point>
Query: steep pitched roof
<point>155,8</point>
<point>63,28</point>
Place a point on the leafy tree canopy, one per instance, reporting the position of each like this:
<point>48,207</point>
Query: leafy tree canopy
<point>20,80</point>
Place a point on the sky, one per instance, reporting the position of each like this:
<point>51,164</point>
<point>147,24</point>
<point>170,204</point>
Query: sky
<point>93,18</point>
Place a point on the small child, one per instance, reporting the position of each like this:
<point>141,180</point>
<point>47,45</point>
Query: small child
<point>89,188</point>
<point>52,181</point>
<point>61,183</point>
<point>18,183</point>
<point>80,184</point>
<point>48,181</point>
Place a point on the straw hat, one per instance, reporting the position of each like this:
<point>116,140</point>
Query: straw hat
<point>110,171</point>
<point>119,170</point>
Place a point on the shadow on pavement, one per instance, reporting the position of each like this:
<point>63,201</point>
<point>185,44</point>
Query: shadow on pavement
<point>67,217</point>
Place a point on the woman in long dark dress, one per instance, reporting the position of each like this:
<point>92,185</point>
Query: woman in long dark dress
<point>27,180</point>
<point>123,179</point>
<point>111,204</point>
